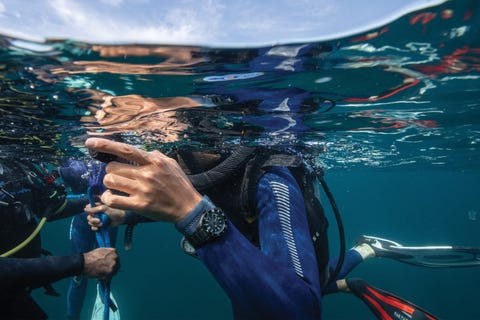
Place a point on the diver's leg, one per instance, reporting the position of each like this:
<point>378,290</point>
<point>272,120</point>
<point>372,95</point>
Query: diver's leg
<point>353,258</point>
<point>75,296</point>
<point>81,240</point>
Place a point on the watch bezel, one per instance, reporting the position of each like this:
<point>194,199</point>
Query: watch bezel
<point>205,222</point>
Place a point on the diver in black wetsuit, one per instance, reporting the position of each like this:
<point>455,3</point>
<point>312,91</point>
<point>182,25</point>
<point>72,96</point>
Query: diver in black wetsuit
<point>28,192</point>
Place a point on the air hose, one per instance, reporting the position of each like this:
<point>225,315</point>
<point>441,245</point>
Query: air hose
<point>35,232</point>
<point>25,242</point>
<point>341,232</point>
<point>222,171</point>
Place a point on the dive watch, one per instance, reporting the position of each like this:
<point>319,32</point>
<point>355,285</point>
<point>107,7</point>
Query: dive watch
<point>212,225</point>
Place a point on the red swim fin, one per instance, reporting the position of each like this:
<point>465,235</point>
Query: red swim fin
<point>385,305</point>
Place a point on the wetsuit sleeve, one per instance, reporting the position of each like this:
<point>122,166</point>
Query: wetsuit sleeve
<point>73,207</point>
<point>260,284</point>
<point>16,273</point>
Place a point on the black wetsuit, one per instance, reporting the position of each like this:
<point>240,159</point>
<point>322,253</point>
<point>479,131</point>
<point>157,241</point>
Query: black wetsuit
<point>18,276</point>
<point>27,193</point>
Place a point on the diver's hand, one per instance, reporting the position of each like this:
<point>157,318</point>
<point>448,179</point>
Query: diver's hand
<point>116,216</point>
<point>101,263</point>
<point>157,187</point>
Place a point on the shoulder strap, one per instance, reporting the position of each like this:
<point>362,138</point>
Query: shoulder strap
<point>254,171</point>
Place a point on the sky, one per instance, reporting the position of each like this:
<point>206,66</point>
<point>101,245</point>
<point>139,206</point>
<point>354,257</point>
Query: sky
<point>226,23</point>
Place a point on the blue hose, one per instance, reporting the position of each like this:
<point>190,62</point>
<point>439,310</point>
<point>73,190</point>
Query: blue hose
<point>103,241</point>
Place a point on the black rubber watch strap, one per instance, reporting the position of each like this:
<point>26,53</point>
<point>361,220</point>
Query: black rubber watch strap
<point>198,238</point>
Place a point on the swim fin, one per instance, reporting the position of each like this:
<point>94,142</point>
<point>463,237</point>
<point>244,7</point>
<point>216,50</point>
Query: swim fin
<point>98,308</point>
<point>385,305</point>
<point>425,256</point>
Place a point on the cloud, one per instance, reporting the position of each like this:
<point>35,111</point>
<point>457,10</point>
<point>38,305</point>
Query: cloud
<point>194,22</point>
<point>191,22</point>
<point>71,13</point>
<point>113,3</point>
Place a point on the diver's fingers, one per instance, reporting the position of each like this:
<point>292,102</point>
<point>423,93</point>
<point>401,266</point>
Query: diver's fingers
<point>122,169</point>
<point>99,207</point>
<point>89,205</point>
<point>120,183</point>
<point>117,201</point>
<point>119,149</point>
<point>94,223</point>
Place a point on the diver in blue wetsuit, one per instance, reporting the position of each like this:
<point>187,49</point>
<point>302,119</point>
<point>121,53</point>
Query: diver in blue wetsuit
<point>270,267</point>
<point>76,175</point>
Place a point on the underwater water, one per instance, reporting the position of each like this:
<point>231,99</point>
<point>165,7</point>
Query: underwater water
<point>392,116</point>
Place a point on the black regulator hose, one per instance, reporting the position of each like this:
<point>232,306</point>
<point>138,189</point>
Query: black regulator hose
<point>222,171</point>
<point>341,232</point>
<point>205,179</point>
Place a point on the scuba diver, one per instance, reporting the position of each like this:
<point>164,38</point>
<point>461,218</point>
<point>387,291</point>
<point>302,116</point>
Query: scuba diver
<point>269,250</point>
<point>29,192</point>
<point>287,251</point>
<point>78,176</point>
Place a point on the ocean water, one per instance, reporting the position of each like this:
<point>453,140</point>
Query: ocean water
<point>392,115</point>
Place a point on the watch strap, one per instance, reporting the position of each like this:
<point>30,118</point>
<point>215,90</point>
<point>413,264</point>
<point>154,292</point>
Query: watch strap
<point>188,225</point>
<point>198,238</point>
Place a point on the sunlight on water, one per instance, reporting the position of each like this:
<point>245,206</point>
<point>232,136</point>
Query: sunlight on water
<point>379,99</point>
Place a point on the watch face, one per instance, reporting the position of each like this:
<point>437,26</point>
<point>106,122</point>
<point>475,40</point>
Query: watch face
<point>214,222</point>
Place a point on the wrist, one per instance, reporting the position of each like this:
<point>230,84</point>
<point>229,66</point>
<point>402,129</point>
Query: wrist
<point>81,259</point>
<point>87,262</point>
<point>186,207</point>
<point>188,224</point>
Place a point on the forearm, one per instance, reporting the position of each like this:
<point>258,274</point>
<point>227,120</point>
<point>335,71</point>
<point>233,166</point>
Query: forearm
<point>37,272</point>
<point>74,206</point>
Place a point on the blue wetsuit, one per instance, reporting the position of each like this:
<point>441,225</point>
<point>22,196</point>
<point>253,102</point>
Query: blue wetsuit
<point>280,279</point>
<point>82,240</point>
<point>78,175</point>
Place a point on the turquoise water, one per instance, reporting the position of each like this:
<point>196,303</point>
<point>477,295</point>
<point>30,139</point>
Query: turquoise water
<point>392,115</point>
